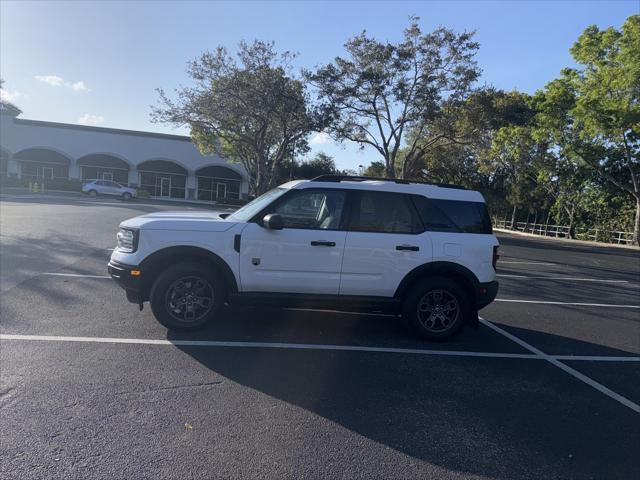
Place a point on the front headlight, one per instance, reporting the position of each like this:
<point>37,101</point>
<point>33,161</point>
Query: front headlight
<point>127,240</point>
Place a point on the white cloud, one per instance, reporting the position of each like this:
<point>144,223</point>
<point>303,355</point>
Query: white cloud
<point>320,138</point>
<point>90,119</point>
<point>52,80</point>
<point>79,87</point>
<point>10,96</point>
<point>56,81</point>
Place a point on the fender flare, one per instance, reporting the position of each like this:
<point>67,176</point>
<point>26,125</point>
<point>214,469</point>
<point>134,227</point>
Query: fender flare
<point>447,269</point>
<point>175,254</point>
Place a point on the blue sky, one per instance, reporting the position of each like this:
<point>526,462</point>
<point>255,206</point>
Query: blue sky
<point>98,62</point>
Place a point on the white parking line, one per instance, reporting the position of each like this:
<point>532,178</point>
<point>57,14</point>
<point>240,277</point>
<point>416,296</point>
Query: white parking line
<point>315,346</point>
<point>573,279</point>
<point>554,361</point>
<point>291,346</point>
<point>595,358</point>
<point>543,302</point>
<point>77,275</point>
<point>500,262</point>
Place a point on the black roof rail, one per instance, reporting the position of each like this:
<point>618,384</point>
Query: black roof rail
<point>356,178</point>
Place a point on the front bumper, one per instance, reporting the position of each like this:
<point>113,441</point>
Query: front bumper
<point>486,293</point>
<point>131,283</point>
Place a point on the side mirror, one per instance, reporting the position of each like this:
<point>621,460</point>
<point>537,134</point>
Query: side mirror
<point>224,215</point>
<point>273,221</point>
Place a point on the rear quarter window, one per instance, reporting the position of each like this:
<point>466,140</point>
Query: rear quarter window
<point>453,215</point>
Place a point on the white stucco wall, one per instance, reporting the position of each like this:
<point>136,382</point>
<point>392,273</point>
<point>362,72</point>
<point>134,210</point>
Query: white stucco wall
<point>76,141</point>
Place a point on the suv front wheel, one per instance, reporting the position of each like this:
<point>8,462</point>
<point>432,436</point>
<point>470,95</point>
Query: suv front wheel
<point>436,308</point>
<point>186,296</point>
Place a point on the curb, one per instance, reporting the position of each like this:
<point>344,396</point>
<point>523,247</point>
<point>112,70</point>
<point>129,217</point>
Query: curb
<point>568,241</point>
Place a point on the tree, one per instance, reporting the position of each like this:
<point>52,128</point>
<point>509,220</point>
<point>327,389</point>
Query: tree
<point>249,110</point>
<point>592,113</point>
<point>375,169</point>
<point>452,148</point>
<point>513,155</point>
<point>6,106</point>
<point>380,91</point>
<point>321,164</point>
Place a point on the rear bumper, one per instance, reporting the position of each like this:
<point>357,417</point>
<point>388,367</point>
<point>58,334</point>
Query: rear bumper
<point>131,284</point>
<point>486,293</point>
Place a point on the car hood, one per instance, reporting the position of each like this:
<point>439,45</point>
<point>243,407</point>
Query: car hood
<point>195,221</point>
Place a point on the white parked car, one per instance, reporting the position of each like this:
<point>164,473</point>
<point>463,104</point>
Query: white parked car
<point>425,251</point>
<point>108,187</point>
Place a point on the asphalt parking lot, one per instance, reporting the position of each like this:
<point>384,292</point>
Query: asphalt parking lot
<point>548,386</point>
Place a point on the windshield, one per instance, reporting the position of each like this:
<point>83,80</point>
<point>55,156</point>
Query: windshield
<point>253,207</point>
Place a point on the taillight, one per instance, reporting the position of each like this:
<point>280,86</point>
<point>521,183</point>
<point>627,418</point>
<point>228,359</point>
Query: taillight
<point>495,258</point>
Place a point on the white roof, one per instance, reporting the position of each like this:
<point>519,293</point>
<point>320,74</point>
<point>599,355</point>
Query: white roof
<point>429,191</point>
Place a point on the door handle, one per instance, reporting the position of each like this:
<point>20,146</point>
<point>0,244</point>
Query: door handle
<point>322,243</point>
<point>411,248</point>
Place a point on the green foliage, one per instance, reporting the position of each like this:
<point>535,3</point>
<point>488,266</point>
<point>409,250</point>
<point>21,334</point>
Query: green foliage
<point>380,91</point>
<point>249,110</point>
<point>590,117</point>
<point>8,107</point>
<point>375,169</point>
<point>568,154</point>
<point>321,164</point>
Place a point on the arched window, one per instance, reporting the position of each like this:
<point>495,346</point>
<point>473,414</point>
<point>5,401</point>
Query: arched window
<point>43,164</point>
<point>163,178</point>
<point>217,183</point>
<point>104,166</point>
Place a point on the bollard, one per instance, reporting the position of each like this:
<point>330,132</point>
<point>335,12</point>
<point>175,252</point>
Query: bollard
<point>35,187</point>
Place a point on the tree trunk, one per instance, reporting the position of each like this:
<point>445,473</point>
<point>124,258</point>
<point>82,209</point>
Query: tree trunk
<point>546,225</point>
<point>635,240</point>
<point>513,218</point>
<point>390,170</point>
<point>572,228</point>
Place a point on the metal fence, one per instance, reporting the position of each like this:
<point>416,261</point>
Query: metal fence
<point>562,231</point>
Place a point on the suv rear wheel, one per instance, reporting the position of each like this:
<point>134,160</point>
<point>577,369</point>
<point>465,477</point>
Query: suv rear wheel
<point>436,308</point>
<point>186,296</point>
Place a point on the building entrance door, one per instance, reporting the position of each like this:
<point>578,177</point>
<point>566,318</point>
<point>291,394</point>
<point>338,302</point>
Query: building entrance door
<point>44,173</point>
<point>221,191</point>
<point>163,186</point>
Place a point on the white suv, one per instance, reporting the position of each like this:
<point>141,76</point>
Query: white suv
<point>423,250</point>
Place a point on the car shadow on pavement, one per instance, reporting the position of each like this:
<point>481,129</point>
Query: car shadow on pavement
<point>495,417</point>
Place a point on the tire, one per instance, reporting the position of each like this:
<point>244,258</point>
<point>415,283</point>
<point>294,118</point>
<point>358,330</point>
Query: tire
<point>436,308</point>
<point>178,296</point>
<point>126,196</point>
<point>93,193</point>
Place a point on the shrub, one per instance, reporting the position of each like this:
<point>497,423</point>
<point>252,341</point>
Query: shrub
<point>62,184</point>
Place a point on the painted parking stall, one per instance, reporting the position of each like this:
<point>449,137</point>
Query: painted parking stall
<point>543,388</point>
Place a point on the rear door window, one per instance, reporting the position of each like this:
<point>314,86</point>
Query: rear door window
<point>453,215</point>
<point>384,212</point>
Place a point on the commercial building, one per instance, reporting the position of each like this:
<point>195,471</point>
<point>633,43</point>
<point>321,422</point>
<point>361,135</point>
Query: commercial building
<point>166,166</point>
